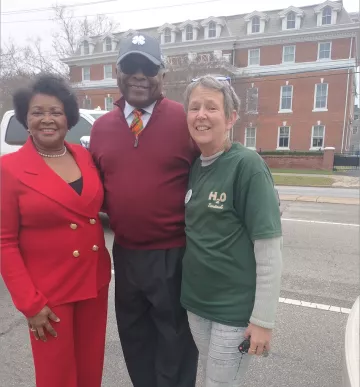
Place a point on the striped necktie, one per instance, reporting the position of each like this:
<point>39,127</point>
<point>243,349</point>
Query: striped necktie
<point>137,123</point>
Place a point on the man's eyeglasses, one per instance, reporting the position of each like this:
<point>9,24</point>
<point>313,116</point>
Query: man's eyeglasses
<point>131,67</point>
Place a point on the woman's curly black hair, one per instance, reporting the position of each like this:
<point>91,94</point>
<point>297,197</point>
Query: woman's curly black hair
<point>48,84</point>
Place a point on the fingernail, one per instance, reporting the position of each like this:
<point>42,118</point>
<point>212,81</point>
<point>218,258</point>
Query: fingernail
<point>58,320</point>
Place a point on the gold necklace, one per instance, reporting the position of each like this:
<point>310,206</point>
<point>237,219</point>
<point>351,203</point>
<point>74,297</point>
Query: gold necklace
<point>53,156</point>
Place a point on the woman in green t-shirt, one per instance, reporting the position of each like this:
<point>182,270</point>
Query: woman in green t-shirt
<point>233,260</point>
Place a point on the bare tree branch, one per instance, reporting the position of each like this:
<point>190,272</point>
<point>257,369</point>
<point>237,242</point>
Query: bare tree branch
<point>66,41</point>
<point>19,64</point>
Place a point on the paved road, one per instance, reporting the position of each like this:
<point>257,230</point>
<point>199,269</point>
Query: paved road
<point>320,266</point>
<point>319,191</point>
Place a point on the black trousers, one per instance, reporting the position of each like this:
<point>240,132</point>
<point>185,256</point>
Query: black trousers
<point>153,327</point>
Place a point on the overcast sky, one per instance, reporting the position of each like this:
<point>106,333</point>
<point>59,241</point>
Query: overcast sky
<point>21,26</point>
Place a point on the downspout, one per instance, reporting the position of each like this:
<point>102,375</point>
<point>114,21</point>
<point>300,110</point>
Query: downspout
<point>347,97</point>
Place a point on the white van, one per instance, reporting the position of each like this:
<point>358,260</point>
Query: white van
<point>13,135</point>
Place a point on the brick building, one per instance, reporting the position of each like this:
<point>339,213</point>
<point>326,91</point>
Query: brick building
<point>293,69</point>
<point>354,138</point>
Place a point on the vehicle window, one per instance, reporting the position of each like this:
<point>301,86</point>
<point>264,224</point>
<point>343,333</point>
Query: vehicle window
<point>96,116</point>
<point>16,133</point>
<point>82,128</point>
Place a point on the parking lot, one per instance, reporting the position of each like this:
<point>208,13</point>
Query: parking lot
<point>320,283</point>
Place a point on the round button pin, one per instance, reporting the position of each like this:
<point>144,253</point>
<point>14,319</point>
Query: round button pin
<point>188,196</point>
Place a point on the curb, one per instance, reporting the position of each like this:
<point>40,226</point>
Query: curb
<point>320,199</point>
<point>321,186</point>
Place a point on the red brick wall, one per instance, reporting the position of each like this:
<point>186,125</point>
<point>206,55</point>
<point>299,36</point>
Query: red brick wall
<point>303,118</point>
<point>96,72</point>
<point>294,162</point>
<point>97,96</point>
<point>324,161</point>
<point>305,52</point>
<point>75,74</point>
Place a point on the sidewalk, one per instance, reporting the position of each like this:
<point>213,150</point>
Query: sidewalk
<point>340,181</point>
<point>320,199</point>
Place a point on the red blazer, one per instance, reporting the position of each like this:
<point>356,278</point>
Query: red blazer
<point>51,238</point>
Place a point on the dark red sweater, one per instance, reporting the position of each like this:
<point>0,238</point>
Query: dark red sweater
<point>145,186</point>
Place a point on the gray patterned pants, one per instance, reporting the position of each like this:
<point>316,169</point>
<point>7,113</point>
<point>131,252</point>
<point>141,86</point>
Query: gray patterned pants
<point>218,345</point>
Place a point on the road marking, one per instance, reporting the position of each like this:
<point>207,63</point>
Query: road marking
<point>321,222</point>
<point>329,308</point>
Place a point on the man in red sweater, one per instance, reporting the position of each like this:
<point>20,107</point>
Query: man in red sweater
<point>144,152</point>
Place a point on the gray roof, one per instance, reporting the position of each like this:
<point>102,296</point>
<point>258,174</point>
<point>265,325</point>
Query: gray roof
<point>235,26</point>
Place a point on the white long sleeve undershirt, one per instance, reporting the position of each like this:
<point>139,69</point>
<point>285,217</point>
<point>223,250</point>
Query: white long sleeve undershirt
<point>268,256</point>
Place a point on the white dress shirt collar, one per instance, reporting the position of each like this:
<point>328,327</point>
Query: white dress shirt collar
<point>128,109</point>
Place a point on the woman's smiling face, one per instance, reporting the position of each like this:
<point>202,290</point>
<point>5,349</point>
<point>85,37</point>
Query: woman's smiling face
<point>47,121</point>
<point>207,122</point>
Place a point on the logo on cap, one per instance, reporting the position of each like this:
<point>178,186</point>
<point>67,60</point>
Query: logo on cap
<point>140,40</point>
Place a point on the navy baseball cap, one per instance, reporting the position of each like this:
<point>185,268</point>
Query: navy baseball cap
<point>141,44</point>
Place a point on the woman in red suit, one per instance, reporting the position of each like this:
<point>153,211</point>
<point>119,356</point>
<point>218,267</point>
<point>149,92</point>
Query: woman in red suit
<point>53,256</point>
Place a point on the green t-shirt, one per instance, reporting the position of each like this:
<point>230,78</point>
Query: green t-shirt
<point>229,204</point>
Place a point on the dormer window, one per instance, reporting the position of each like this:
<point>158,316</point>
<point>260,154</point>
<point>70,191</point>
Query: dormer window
<point>86,47</point>
<point>256,22</point>
<point>291,18</point>
<point>255,25</point>
<point>212,30</point>
<point>189,32</point>
<point>167,35</point>
<point>291,21</point>
<point>327,13</point>
<point>326,16</point>
<point>108,44</point>
<point>212,27</point>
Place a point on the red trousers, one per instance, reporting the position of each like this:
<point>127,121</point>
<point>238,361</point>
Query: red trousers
<point>75,358</point>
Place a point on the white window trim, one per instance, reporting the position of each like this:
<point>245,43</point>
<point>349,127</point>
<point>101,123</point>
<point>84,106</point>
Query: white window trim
<point>86,99</point>
<point>252,23</point>
<point>83,73</point>
<point>105,71</point>
<point>254,65</point>
<point>278,147</point>
<point>286,21</point>
<point>105,102</point>
<point>284,111</point>
<point>331,16</point>
<point>283,56</point>
<point>250,147</point>
<point>252,112</point>
<point>208,31</point>
<point>105,45</point>
<point>83,47</point>
<point>166,30</point>
<point>318,54</point>
<point>312,136</point>
<point>325,109</point>
<point>186,32</point>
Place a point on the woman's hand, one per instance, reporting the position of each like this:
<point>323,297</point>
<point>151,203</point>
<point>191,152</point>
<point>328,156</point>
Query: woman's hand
<point>259,339</point>
<point>40,322</point>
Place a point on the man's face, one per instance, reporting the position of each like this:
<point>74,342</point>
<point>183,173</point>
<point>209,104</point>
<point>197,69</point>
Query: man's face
<point>139,80</point>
